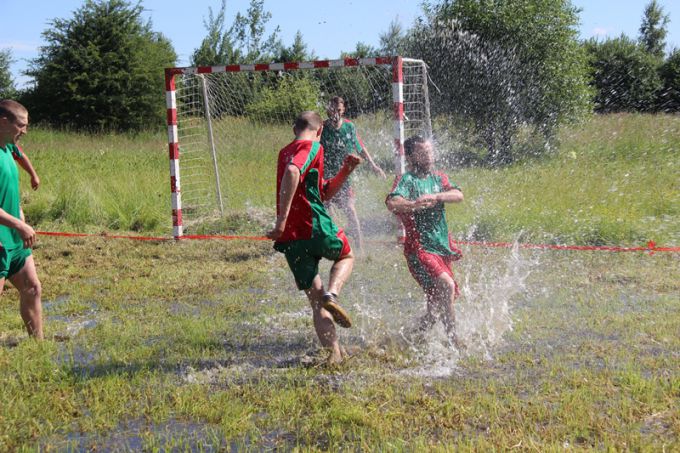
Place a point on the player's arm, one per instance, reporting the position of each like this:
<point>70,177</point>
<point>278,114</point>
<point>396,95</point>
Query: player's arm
<point>25,230</point>
<point>25,163</point>
<point>376,169</point>
<point>452,195</point>
<point>363,152</point>
<point>332,186</point>
<point>400,205</point>
<point>289,183</point>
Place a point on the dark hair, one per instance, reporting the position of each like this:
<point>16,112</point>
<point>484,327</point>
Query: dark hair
<point>308,119</point>
<point>335,101</point>
<point>411,143</point>
<point>10,109</point>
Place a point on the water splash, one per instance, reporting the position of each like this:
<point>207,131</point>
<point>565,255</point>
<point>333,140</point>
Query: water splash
<point>483,317</point>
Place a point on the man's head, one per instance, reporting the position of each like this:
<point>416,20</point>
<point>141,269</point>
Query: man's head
<point>336,108</point>
<point>308,124</point>
<point>13,121</point>
<point>419,153</point>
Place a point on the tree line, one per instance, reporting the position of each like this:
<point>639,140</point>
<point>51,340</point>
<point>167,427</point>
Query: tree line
<point>500,66</point>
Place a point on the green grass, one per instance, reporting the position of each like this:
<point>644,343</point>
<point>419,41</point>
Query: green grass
<point>208,343</point>
<point>196,345</point>
<point>612,180</point>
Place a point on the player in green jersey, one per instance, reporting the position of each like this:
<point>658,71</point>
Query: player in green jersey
<point>418,199</point>
<point>340,139</point>
<point>16,236</point>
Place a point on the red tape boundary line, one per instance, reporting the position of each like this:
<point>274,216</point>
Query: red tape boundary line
<point>651,247</point>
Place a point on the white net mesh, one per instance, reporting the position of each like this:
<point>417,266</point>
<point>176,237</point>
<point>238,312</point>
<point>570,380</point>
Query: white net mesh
<point>248,118</point>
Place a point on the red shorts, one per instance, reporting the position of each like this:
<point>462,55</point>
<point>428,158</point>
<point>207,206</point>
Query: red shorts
<point>427,267</point>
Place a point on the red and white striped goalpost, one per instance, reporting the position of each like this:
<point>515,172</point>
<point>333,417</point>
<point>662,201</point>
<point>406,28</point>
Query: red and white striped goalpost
<point>174,147</point>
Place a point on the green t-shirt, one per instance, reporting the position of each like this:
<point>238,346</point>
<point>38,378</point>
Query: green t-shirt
<point>426,229</point>
<point>338,143</point>
<point>9,195</point>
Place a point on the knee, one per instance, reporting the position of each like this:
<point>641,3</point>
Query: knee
<point>446,285</point>
<point>33,289</point>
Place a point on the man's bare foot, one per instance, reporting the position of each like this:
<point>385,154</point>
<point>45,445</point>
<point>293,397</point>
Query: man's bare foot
<point>336,356</point>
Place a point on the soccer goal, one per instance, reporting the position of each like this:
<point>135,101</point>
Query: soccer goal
<point>227,123</point>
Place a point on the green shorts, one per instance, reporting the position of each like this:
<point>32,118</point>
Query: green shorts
<point>303,256</point>
<point>12,260</point>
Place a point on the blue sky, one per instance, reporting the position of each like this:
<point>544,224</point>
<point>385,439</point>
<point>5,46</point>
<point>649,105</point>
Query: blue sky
<point>328,27</point>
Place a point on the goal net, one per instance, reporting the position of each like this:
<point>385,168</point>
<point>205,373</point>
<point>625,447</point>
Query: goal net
<point>226,125</point>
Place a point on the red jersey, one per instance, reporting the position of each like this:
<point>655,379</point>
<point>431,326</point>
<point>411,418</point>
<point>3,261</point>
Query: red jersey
<point>308,217</point>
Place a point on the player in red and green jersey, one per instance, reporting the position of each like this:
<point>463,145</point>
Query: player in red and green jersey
<point>418,199</point>
<point>340,139</point>
<point>16,236</point>
<point>305,233</point>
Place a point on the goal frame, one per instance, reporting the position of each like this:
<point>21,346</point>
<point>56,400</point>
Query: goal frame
<point>395,62</point>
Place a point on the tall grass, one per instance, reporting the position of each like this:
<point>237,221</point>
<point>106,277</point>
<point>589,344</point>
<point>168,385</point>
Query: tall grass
<point>611,180</point>
<point>97,182</point>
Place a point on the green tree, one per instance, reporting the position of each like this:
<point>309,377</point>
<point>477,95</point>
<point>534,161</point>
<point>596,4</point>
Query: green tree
<point>7,88</point>
<point>669,97</point>
<point>362,50</point>
<point>296,52</point>
<point>217,48</point>
<point>101,69</point>
<point>392,41</point>
<point>653,29</point>
<point>504,64</point>
<point>249,34</point>
<point>624,75</point>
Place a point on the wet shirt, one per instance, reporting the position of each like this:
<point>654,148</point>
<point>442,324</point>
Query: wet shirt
<point>425,229</point>
<point>9,195</point>
<point>338,143</point>
<point>308,217</point>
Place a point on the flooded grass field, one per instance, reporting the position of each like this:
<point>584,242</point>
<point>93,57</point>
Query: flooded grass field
<point>207,346</point>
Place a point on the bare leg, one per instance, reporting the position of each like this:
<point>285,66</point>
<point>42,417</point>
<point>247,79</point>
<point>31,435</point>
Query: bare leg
<point>428,320</point>
<point>30,292</point>
<point>444,297</point>
<point>340,272</point>
<point>323,322</point>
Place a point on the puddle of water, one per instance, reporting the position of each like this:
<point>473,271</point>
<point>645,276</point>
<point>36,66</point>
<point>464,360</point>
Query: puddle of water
<point>141,435</point>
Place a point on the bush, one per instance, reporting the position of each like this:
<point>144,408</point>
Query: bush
<point>283,102</point>
<point>669,97</point>
<point>624,75</point>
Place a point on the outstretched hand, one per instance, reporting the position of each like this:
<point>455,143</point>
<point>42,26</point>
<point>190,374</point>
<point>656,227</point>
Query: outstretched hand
<point>352,161</point>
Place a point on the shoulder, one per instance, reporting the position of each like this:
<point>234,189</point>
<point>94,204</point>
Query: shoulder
<point>440,175</point>
<point>15,150</point>
<point>347,124</point>
<point>444,179</point>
